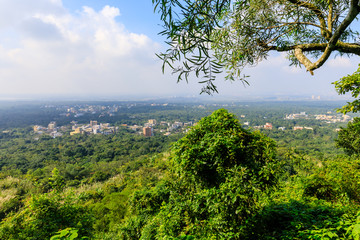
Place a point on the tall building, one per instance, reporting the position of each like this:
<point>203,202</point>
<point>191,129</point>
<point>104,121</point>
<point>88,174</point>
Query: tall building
<point>147,131</point>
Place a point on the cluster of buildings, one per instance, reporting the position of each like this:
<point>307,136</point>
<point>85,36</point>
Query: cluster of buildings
<point>92,128</point>
<point>178,125</point>
<point>332,118</point>
<point>266,126</point>
<point>302,128</point>
<point>93,109</point>
<point>329,117</point>
<point>269,126</point>
<point>80,110</point>
<point>301,115</point>
<point>52,130</point>
<point>164,127</point>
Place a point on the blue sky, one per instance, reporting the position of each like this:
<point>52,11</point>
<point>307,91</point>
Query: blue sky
<point>137,16</point>
<point>106,48</point>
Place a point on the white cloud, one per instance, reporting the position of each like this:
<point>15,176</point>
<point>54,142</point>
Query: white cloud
<point>14,11</point>
<point>91,52</point>
<point>110,12</point>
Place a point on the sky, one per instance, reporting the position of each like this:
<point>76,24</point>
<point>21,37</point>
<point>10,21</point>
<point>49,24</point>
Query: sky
<point>106,49</point>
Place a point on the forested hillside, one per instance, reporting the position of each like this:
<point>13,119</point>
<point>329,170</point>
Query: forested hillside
<point>229,176</point>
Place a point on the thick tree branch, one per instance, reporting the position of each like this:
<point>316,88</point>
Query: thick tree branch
<point>351,48</point>
<point>330,16</point>
<point>303,59</point>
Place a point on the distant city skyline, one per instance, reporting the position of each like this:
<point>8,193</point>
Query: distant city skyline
<point>106,49</point>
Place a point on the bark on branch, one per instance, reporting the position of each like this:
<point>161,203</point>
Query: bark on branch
<point>332,44</point>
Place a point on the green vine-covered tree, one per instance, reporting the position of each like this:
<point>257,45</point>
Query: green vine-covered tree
<point>218,144</point>
<point>218,171</point>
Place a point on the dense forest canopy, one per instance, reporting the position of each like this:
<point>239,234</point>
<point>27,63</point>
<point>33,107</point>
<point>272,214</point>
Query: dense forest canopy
<point>210,36</point>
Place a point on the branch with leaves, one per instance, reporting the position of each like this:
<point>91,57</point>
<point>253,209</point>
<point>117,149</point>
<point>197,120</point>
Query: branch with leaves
<point>208,37</point>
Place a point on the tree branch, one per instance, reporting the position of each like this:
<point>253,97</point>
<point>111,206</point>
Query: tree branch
<point>353,12</point>
<point>352,48</point>
<point>333,43</point>
<point>330,16</point>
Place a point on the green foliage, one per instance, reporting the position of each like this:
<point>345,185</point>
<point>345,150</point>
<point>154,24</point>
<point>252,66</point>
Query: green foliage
<point>319,187</point>
<point>355,228</point>
<point>44,215</point>
<point>185,237</point>
<point>349,137</point>
<point>350,84</point>
<point>344,227</point>
<point>67,234</point>
<point>56,181</point>
<point>12,191</point>
<point>334,180</point>
<point>318,201</point>
<point>109,212</point>
<point>292,220</point>
<point>296,220</point>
